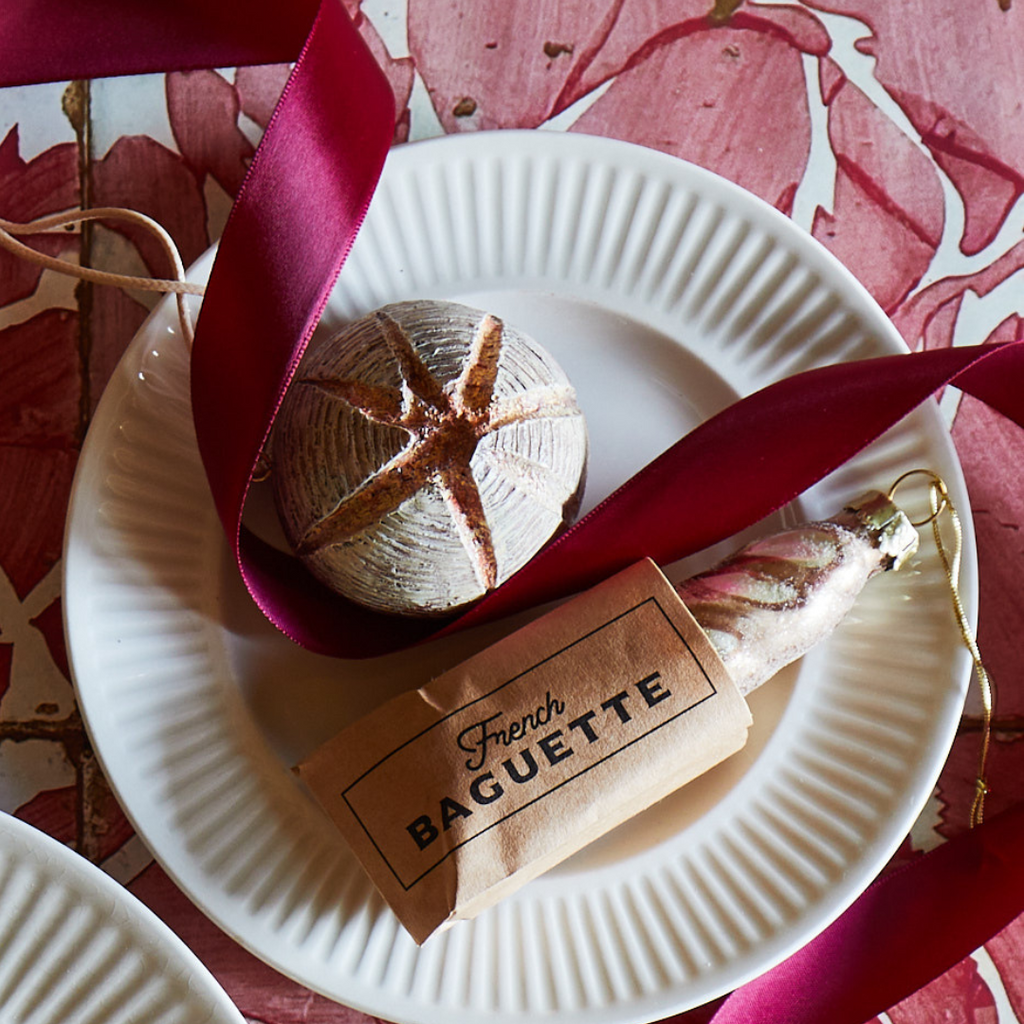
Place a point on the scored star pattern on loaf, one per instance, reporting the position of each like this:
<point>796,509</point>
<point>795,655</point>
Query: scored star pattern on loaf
<point>445,423</point>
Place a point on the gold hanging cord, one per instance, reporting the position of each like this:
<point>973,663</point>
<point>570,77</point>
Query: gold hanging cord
<point>940,502</point>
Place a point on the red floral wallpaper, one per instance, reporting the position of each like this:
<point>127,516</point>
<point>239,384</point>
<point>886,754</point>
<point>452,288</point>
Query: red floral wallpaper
<point>890,131</point>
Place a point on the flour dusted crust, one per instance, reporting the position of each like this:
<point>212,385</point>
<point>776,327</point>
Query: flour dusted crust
<point>424,454</point>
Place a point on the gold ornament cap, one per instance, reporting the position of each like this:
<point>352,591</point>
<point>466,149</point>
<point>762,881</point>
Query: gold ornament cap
<point>891,529</point>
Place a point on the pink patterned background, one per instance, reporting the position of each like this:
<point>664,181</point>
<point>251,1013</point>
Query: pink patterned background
<point>893,132</point>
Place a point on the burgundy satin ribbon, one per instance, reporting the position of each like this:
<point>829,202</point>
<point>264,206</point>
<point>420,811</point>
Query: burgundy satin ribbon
<point>289,232</point>
<point>291,227</point>
<point>751,459</point>
<point>57,40</point>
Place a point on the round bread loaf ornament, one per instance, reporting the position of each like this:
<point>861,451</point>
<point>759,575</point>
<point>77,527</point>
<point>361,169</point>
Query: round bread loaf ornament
<point>424,454</point>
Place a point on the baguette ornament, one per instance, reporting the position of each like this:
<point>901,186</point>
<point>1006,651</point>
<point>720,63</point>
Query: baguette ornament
<point>772,601</point>
<point>455,794</point>
<point>424,454</point>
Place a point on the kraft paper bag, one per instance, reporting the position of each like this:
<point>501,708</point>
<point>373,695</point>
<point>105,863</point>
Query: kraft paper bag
<point>454,795</point>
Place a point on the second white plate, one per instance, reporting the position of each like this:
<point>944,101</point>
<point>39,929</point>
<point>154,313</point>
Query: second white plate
<point>76,948</point>
<point>665,293</point>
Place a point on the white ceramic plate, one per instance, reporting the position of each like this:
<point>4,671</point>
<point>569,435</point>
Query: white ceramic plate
<point>75,947</point>
<point>665,293</point>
